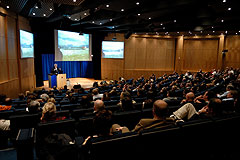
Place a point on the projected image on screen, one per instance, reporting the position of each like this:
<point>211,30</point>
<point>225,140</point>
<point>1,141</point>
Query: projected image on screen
<point>70,46</point>
<point>111,49</point>
<point>27,45</point>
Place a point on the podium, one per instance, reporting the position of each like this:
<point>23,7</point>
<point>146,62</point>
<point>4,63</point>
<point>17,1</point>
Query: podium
<point>57,80</point>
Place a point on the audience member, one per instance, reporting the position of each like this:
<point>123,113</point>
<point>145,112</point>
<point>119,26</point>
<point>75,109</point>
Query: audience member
<point>160,119</point>
<point>33,107</point>
<point>188,111</point>
<point>6,105</point>
<point>49,113</point>
<point>98,106</point>
<point>96,94</point>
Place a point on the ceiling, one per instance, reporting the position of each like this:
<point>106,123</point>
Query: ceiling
<point>169,17</point>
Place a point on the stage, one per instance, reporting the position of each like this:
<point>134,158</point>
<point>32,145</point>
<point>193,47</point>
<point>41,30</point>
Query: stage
<point>86,83</point>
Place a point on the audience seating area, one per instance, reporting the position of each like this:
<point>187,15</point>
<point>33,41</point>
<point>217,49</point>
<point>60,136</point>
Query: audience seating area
<point>206,138</point>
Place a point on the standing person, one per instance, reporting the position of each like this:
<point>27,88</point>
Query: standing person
<point>55,69</point>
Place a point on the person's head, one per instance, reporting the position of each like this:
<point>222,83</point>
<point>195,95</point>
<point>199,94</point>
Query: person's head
<point>2,98</point>
<point>190,96</point>
<point>214,106</point>
<point>33,107</point>
<point>55,65</point>
<point>44,97</point>
<point>229,87</point>
<point>127,103</point>
<point>160,109</point>
<point>49,111</point>
<point>209,95</point>
<point>171,93</point>
<point>21,96</point>
<point>95,91</point>
<point>52,100</point>
<point>103,122</point>
<point>98,105</point>
<point>8,102</point>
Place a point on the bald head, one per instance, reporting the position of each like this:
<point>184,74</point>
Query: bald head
<point>190,96</point>
<point>160,109</point>
<point>98,105</point>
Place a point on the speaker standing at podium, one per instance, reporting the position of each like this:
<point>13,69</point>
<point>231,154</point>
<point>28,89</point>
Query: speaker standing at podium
<point>55,70</point>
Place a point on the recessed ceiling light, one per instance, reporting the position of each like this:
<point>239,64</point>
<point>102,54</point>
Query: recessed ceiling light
<point>226,32</point>
<point>177,32</point>
<point>208,34</point>
<point>229,9</point>
<point>85,14</point>
<point>175,21</point>
<point>74,0</point>
<point>7,6</point>
<point>137,3</point>
<point>110,19</point>
<point>50,9</point>
<point>161,24</point>
<point>139,14</point>
<point>200,31</point>
<point>75,19</point>
<point>100,23</point>
<point>44,15</point>
<point>93,22</point>
<point>149,18</point>
<point>222,20</point>
<point>122,10</point>
<point>36,6</point>
<point>34,13</point>
<point>213,31</point>
<point>224,1</point>
<point>107,5</point>
<point>163,28</point>
<point>236,33</point>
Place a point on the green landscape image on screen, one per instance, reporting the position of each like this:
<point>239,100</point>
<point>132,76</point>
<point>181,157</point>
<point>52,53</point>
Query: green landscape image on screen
<point>72,46</point>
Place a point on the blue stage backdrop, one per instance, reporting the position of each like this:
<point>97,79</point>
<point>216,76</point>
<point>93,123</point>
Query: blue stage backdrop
<point>71,68</point>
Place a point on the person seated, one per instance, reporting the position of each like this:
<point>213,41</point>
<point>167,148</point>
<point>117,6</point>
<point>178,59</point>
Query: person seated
<point>170,97</point>
<point>49,113</point>
<point>126,101</point>
<point>106,96</point>
<point>96,94</point>
<point>188,111</point>
<point>2,98</point>
<point>148,103</point>
<point>6,105</point>
<point>85,102</point>
<point>228,89</point>
<point>189,98</point>
<point>104,127</point>
<point>160,118</point>
<point>98,106</point>
<point>204,99</point>
<point>33,107</point>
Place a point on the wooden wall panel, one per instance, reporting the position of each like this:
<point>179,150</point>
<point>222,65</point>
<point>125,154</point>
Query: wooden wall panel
<point>2,23</point>
<point>200,54</point>
<point>129,53</point>
<point>232,57</point>
<point>140,53</point>
<point>11,82</point>
<point>10,88</point>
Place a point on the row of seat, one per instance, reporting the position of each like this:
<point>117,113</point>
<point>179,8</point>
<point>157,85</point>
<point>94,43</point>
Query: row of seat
<point>212,138</point>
